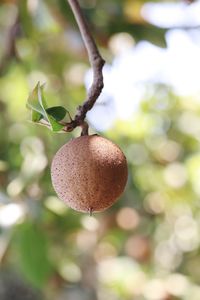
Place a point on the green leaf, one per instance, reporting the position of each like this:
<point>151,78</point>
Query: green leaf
<point>57,112</point>
<point>55,126</point>
<point>33,103</point>
<point>41,98</point>
<point>36,116</point>
<point>39,110</point>
<point>33,254</point>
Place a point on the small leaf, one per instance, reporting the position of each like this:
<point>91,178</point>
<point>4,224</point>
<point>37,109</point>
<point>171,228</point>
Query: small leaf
<point>57,112</point>
<point>41,98</point>
<point>36,116</point>
<point>55,126</point>
<point>33,102</point>
<point>39,110</point>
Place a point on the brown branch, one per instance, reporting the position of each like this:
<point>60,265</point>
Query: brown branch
<point>97,64</point>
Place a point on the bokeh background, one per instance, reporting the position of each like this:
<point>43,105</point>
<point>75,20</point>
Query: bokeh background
<point>147,246</point>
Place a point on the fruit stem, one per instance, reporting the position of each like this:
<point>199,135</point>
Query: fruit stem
<point>90,211</point>
<point>85,127</point>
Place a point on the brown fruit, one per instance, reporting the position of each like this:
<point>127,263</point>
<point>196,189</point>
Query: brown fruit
<point>89,173</point>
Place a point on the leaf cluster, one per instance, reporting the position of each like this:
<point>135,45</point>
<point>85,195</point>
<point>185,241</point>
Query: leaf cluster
<point>51,117</point>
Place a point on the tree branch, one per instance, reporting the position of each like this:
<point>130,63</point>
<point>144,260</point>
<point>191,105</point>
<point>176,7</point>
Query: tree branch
<point>97,64</point>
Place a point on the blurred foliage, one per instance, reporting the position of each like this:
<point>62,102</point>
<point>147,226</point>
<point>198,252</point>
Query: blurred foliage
<point>147,245</point>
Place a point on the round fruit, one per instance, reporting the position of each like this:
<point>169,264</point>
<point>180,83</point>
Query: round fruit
<point>89,173</point>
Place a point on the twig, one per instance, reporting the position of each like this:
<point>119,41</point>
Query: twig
<point>97,64</point>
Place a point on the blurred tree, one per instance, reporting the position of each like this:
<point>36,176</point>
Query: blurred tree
<point>146,247</point>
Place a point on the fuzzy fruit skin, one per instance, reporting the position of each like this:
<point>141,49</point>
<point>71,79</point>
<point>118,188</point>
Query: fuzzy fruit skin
<point>89,173</point>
